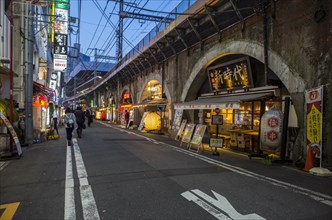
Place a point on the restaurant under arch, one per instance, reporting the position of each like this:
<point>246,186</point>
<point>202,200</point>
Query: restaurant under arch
<point>236,85</point>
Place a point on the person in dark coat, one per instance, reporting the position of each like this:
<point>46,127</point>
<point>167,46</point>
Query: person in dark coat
<point>127,118</point>
<point>69,120</point>
<point>80,120</point>
<point>88,115</point>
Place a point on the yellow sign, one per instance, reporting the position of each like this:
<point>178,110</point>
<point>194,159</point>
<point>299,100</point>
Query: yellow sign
<point>10,210</point>
<point>314,118</point>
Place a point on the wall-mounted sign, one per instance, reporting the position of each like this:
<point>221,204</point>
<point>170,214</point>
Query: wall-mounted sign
<point>230,75</point>
<point>60,65</point>
<point>126,95</point>
<point>60,44</point>
<point>61,21</point>
<point>64,4</point>
<point>52,84</point>
<point>217,119</point>
<point>60,56</point>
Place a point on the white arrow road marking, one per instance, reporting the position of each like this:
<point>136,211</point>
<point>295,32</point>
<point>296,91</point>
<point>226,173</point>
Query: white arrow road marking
<point>221,203</point>
<point>216,213</point>
<point>70,212</point>
<point>89,205</point>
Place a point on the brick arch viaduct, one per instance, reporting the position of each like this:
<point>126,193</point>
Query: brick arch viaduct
<point>297,53</point>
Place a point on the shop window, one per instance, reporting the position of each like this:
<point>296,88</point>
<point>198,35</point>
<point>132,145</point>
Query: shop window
<point>257,111</point>
<point>269,105</point>
<point>227,115</point>
<point>243,116</point>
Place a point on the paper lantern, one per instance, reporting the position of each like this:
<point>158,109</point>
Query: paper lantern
<point>152,121</point>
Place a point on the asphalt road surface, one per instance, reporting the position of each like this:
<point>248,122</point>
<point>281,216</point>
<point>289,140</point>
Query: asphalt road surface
<point>114,173</point>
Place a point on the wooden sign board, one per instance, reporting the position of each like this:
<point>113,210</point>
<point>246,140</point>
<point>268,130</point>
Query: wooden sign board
<point>178,135</point>
<point>188,132</point>
<point>177,118</point>
<point>216,142</point>
<point>198,135</point>
<point>141,125</point>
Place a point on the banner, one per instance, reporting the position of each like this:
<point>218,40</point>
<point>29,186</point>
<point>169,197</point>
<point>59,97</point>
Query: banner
<point>13,133</point>
<point>314,101</point>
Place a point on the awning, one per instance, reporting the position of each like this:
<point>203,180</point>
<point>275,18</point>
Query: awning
<point>39,89</point>
<point>229,101</point>
<point>154,102</point>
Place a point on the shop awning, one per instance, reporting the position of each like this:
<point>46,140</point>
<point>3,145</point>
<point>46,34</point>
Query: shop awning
<point>229,101</point>
<point>39,89</point>
<point>154,102</point>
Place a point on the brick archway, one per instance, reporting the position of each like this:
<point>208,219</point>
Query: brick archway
<point>252,49</point>
<point>146,80</point>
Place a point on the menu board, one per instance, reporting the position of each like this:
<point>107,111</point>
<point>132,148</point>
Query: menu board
<point>141,125</point>
<point>183,124</point>
<point>216,142</point>
<point>177,118</point>
<point>188,132</point>
<point>198,135</point>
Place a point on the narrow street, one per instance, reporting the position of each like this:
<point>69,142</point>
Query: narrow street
<point>114,173</point>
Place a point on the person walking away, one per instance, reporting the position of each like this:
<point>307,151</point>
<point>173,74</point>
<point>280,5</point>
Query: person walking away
<point>55,121</point>
<point>127,118</point>
<point>80,119</point>
<point>88,115</point>
<point>69,120</point>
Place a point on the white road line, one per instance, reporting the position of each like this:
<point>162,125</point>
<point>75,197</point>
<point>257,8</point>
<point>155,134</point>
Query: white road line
<point>320,197</point>
<point>70,211</point>
<point>89,205</point>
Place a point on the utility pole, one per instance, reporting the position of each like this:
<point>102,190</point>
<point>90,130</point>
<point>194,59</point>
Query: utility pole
<point>11,114</point>
<point>120,32</point>
<point>29,37</point>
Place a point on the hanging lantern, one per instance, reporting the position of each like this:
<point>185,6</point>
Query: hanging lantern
<point>271,128</point>
<point>152,121</point>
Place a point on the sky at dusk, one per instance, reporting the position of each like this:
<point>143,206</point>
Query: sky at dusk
<point>103,36</point>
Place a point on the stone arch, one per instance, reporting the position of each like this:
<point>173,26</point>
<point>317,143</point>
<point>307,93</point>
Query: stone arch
<point>148,79</point>
<point>276,63</point>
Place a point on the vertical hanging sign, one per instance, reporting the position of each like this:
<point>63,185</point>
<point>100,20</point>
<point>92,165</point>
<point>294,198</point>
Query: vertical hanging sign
<point>60,34</point>
<point>314,101</point>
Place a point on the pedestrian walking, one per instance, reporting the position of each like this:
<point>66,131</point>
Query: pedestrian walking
<point>55,121</point>
<point>69,120</point>
<point>88,115</point>
<point>127,118</point>
<point>80,120</point>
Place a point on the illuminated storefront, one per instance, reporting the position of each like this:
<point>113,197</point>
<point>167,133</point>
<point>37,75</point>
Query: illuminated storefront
<point>42,96</point>
<point>125,104</point>
<point>236,87</point>
<point>153,108</point>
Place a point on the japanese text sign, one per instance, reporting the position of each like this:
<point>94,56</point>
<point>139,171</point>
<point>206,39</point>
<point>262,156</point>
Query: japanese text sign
<point>234,74</point>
